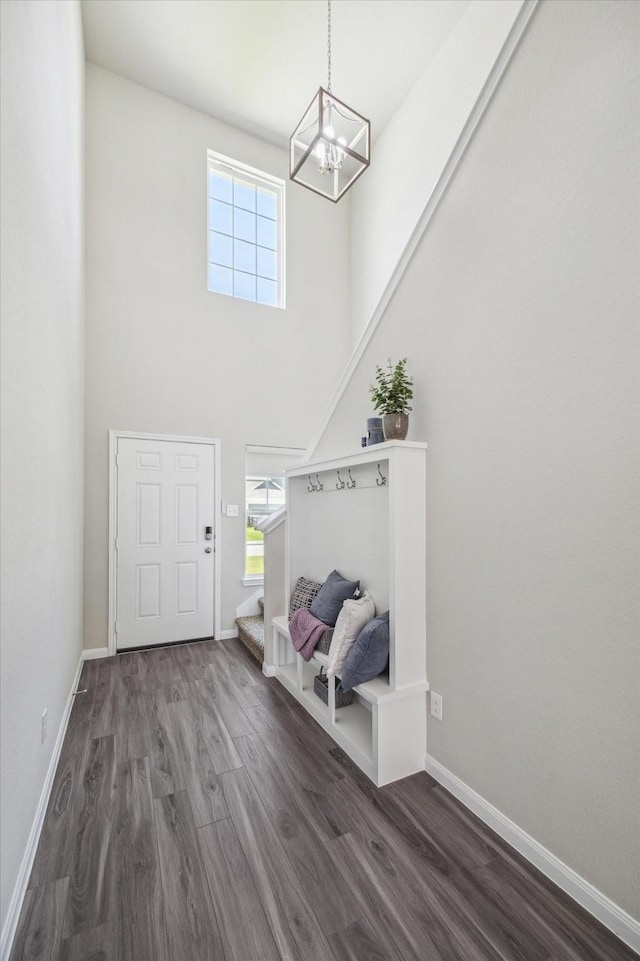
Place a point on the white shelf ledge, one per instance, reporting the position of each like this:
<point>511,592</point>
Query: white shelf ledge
<point>366,455</point>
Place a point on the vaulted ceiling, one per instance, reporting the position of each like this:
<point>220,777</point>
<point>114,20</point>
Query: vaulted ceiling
<point>257,63</point>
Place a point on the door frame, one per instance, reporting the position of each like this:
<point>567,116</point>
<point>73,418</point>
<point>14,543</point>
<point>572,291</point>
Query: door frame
<point>114,436</point>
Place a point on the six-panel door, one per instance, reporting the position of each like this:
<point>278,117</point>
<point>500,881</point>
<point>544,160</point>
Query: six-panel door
<point>165,503</point>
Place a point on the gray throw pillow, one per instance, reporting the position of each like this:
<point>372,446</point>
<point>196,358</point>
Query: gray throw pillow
<point>328,602</point>
<point>324,644</point>
<point>369,656</point>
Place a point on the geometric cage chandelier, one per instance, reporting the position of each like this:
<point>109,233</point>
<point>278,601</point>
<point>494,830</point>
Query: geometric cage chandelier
<point>330,147</point>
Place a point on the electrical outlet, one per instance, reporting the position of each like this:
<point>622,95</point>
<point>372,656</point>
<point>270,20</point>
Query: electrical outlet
<point>436,705</point>
<point>232,510</point>
<point>43,727</point>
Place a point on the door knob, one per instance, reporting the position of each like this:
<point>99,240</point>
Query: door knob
<point>208,550</point>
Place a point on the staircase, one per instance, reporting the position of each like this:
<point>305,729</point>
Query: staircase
<point>251,632</point>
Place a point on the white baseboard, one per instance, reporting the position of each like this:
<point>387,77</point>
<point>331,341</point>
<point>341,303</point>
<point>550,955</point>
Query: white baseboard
<point>91,653</point>
<point>596,903</point>
<point>227,635</point>
<point>269,670</point>
<point>15,905</point>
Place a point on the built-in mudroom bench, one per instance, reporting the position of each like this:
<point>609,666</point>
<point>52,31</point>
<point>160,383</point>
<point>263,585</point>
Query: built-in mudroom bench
<point>364,515</point>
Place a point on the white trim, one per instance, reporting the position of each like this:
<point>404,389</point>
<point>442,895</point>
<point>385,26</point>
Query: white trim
<point>113,504</point>
<point>19,891</point>
<point>112,608</point>
<point>256,581</point>
<point>364,455</point>
<point>588,896</point>
<point>92,653</point>
<point>269,670</point>
<point>484,99</point>
<point>228,635</point>
<point>218,161</point>
<point>273,520</point>
<point>217,556</point>
<point>280,451</point>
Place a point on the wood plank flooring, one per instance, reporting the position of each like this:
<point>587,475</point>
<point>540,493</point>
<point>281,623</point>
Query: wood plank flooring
<point>199,814</point>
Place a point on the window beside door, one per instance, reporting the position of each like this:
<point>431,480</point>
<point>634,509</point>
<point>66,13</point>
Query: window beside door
<point>264,494</point>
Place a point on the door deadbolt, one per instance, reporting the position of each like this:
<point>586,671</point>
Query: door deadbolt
<point>208,533</point>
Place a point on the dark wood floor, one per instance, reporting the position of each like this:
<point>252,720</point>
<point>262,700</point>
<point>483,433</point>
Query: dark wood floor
<point>199,814</point>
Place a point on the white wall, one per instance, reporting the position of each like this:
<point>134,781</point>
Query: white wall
<point>409,156</point>
<point>519,316</point>
<point>42,396</point>
<point>163,354</point>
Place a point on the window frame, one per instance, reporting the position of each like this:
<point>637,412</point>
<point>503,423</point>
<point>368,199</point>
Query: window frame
<point>217,162</point>
<point>268,478</point>
<point>264,461</point>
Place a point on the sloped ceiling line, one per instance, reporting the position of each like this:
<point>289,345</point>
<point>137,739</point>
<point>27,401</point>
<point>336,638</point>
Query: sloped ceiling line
<point>507,52</point>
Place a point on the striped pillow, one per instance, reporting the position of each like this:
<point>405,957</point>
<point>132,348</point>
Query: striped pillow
<point>303,594</point>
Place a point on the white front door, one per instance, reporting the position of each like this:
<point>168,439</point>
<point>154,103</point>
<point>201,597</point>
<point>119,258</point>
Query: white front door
<point>165,542</point>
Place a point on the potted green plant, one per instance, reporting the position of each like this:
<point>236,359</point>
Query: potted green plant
<point>391,393</point>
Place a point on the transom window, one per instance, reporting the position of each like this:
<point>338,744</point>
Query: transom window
<point>246,232</point>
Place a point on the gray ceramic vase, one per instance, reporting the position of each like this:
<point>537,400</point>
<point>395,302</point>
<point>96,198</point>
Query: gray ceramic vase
<point>395,426</point>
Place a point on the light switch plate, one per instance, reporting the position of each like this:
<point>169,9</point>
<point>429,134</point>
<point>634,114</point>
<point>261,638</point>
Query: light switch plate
<point>232,510</point>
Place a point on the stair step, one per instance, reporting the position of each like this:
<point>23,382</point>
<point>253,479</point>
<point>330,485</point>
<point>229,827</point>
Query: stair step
<point>251,633</point>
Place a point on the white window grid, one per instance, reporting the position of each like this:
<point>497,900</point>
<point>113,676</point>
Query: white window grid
<point>246,247</point>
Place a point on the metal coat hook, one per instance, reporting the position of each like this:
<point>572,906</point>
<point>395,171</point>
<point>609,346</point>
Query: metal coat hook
<point>340,485</point>
<point>351,483</point>
<point>310,486</point>
<point>381,480</point>
<point>320,486</point>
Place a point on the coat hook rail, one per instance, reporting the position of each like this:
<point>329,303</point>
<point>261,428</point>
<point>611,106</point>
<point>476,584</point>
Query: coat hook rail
<point>315,484</point>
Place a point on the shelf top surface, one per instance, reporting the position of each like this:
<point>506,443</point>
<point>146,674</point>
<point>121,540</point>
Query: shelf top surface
<point>365,455</point>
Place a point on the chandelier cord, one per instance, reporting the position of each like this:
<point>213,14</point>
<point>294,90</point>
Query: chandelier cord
<point>329,46</point>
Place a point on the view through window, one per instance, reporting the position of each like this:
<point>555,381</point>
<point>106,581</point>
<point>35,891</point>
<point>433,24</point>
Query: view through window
<point>264,495</point>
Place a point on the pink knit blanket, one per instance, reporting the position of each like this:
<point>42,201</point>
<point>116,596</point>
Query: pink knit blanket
<point>306,631</point>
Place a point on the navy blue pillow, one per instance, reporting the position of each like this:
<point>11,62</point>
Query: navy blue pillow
<point>328,602</point>
<point>369,656</point>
